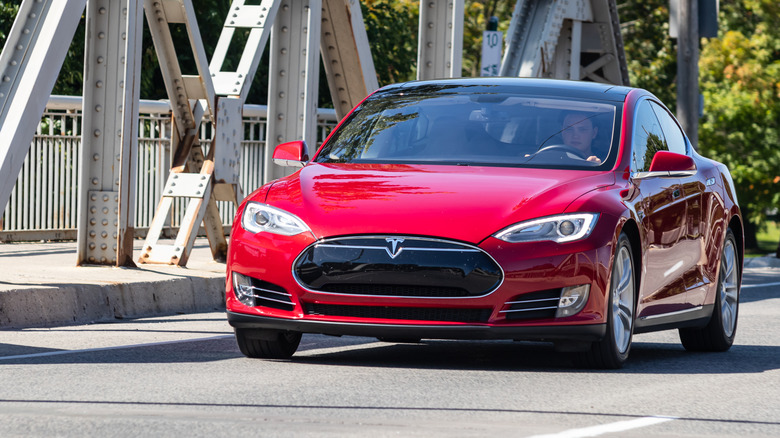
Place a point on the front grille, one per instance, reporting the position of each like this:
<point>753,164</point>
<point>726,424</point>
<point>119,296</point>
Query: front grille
<point>395,290</point>
<point>535,305</point>
<point>397,266</point>
<point>407,313</point>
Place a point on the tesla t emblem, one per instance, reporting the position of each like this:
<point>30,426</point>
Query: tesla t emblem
<point>395,247</point>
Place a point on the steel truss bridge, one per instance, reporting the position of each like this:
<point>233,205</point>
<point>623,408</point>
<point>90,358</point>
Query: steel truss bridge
<point>567,39</point>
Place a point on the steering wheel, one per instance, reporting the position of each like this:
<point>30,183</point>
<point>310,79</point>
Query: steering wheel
<point>562,148</point>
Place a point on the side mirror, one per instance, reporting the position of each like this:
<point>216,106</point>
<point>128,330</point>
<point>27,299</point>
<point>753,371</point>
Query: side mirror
<point>292,154</point>
<point>669,164</point>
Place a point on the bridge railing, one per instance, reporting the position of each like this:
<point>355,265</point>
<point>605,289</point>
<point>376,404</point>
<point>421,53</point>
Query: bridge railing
<point>44,203</point>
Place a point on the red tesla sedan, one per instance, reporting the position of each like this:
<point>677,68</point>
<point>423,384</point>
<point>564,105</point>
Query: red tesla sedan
<point>502,208</point>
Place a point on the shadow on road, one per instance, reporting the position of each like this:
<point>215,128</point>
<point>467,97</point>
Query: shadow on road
<point>646,358</point>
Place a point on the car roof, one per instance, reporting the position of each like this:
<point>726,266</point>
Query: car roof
<point>531,86</point>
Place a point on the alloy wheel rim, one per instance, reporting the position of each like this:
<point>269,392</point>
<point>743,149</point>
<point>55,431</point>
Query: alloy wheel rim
<point>729,289</point>
<point>623,300</point>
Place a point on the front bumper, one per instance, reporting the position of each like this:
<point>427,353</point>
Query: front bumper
<point>587,333</point>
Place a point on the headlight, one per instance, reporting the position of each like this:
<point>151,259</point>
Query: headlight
<point>562,228</point>
<point>260,217</point>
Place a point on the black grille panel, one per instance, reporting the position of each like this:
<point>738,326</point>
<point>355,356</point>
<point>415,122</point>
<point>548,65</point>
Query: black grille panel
<point>407,313</point>
<point>397,266</point>
<point>395,290</point>
<point>535,305</point>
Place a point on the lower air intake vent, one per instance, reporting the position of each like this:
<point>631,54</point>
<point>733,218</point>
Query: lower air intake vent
<point>408,313</point>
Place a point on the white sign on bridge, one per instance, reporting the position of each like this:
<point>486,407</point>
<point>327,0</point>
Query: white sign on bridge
<point>492,42</point>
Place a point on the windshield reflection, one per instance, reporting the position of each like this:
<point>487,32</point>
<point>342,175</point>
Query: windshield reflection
<point>470,128</point>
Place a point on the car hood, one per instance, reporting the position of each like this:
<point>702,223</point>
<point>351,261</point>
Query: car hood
<point>453,202</point>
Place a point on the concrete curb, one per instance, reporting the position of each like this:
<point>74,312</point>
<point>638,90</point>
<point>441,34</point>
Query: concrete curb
<point>83,303</point>
<point>40,286</point>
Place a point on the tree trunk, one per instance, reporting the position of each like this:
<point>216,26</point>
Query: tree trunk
<point>777,251</point>
<point>751,241</point>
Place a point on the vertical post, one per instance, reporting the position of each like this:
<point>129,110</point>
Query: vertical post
<point>688,69</point>
<point>440,40</point>
<point>293,78</point>
<point>110,83</point>
<point>576,49</point>
<point>128,161</point>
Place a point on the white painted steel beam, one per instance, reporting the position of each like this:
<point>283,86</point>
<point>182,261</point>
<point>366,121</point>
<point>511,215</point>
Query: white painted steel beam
<point>293,78</point>
<point>181,87</point>
<point>128,147</point>
<point>29,65</point>
<point>440,40</point>
<point>346,54</point>
<point>258,19</point>
<point>566,39</point>
<point>109,132</point>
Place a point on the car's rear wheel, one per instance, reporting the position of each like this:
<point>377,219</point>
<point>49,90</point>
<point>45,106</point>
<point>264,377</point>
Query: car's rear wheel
<point>267,344</point>
<point>612,351</point>
<point>718,334</point>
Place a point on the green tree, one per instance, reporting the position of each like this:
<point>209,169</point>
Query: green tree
<point>391,26</point>
<point>740,80</point>
<point>650,54</point>
<point>8,11</point>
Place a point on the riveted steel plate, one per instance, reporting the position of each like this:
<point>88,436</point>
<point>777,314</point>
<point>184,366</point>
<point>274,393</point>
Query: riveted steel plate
<point>102,216</point>
<point>187,185</point>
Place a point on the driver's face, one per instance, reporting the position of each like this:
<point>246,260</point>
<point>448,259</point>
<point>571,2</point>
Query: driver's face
<point>578,132</point>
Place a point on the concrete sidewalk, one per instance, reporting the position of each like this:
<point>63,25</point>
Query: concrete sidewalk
<point>40,285</point>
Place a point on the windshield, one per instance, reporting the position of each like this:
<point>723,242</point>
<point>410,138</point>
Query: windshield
<point>476,129</point>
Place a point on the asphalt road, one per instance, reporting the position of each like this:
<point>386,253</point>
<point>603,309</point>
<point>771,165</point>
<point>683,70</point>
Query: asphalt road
<point>184,376</point>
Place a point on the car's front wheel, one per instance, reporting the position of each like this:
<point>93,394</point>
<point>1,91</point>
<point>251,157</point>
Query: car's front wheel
<point>267,344</point>
<point>718,334</point>
<point>612,351</point>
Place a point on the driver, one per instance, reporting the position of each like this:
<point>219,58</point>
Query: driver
<point>578,132</point>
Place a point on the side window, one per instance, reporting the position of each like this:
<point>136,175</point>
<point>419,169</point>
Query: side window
<point>648,137</point>
<point>674,136</point>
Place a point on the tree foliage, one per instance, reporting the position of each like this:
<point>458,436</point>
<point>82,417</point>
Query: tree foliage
<point>740,80</point>
<point>391,26</point>
<point>650,54</point>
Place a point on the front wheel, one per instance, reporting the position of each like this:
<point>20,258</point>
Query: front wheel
<point>267,344</point>
<point>718,334</point>
<point>612,351</point>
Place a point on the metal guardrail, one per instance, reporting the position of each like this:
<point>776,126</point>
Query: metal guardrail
<point>44,204</point>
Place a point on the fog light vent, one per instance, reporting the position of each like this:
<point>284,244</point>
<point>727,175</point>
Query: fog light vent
<point>254,292</point>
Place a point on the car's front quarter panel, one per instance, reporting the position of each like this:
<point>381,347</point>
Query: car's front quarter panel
<point>263,256</point>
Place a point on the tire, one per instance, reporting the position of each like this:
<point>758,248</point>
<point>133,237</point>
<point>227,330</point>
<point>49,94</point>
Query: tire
<point>267,344</point>
<point>612,351</point>
<point>718,334</point>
